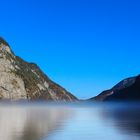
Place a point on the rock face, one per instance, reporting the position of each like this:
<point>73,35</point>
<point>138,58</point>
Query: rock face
<point>126,90</point>
<point>22,80</point>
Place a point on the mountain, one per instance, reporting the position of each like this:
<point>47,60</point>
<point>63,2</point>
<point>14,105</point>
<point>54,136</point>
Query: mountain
<point>126,90</point>
<point>22,80</point>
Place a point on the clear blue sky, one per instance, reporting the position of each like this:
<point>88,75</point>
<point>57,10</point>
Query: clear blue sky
<point>84,45</point>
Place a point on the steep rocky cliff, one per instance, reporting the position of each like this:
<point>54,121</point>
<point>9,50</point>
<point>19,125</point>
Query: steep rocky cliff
<point>22,80</point>
<point>126,90</point>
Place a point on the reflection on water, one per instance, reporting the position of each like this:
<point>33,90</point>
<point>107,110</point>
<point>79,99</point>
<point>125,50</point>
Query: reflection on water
<point>85,122</point>
<point>30,123</point>
<point>125,117</point>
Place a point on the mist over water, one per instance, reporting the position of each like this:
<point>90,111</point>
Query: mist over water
<point>70,122</point>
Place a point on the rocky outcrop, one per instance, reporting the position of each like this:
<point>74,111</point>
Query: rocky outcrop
<point>22,80</point>
<point>126,90</point>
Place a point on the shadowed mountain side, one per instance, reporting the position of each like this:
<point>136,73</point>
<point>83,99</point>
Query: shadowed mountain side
<point>126,90</point>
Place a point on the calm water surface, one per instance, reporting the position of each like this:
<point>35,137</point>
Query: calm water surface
<point>70,122</point>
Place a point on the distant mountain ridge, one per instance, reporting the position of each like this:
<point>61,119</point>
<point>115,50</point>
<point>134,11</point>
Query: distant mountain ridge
<point>126,90</point>
<point>22,80</point>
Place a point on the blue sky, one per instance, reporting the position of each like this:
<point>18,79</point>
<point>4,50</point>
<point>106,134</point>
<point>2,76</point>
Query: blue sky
<point>84,45</point>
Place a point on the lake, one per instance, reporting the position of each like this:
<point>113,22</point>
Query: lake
<point>40,121</point>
